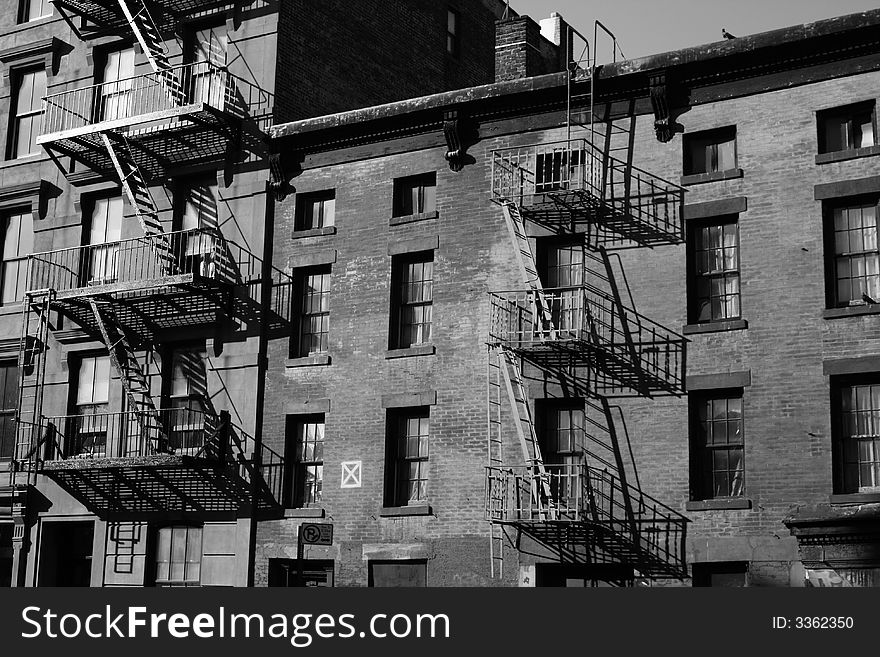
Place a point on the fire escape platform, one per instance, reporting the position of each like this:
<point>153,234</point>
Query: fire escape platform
<point>106,15</point>
<point>155,484</point>
<point>157,149</point>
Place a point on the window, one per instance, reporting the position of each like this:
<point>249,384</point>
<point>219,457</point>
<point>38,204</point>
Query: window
<point>315,573</point>
<point>196,222</point>
<point>115,90</point>
<point>398,574</point>
<point>561,433</point>
<point>714,289</point>
<point>407,473</point>
<point>856,413</point>
<point>304,461</point>
<point>30,87</point>
<point>711,151</point>
<point>854,272</point>
<point>562,167</point>
<point>846,128</point>
<point>18,244</point>
<point>313,299</point>
<point>412,301</point>
<point>31,10</point>
<point>721,574</point>
<point>188,390</point>
<point>206,50</point>
<point>315,211</point>
<point>179,556</point>
<point>90,424</point>
<point>562,274</point>
<point>105,233</point>
<point>452,39</point>
<point>8,405</point>
<point>717,448</point>
<point>415,194</point>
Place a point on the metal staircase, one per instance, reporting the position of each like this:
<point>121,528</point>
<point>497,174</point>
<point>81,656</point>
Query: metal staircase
<point>132,378</point>
<point>583,338</point>
<point>147,34</point>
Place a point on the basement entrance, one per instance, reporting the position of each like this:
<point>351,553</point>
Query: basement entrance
<point>66,554</point>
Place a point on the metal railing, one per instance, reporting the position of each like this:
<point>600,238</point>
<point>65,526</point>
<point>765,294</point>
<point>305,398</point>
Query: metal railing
<point>201,252</point>
<point>533,175</point>
<point>132,434</point>
<point>581,494</point>
<point>138,96</point>
<point>590,319</point>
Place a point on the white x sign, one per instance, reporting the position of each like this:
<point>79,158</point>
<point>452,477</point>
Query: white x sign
<point>351,474</point>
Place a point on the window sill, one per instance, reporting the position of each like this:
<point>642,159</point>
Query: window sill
<point>37,22</point>
<point>303,513</point>
<point>313,232</point>
<point>715,176</point>
<point>729,504</point>
<point>418,350</point>
<point>855,498</point>
<point>411,218</point>
<point>21,161</point>
<point>715,327</point>
<point>852,311</point>
<point>850,154</point>
<point>10,309</point>
<point>308,361</point>
<point>403,511</point>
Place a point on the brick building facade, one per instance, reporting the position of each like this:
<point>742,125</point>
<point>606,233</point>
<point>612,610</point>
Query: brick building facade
<point>766,451</point>
<point>175,99</point>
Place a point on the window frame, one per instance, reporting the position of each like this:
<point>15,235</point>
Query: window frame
<point>303,300</point>
<point>156,556</point>
<point>17,76</point>
<point>420,332</point>
<point>694,300</point>
<point>841,483</point>
<point>295,481</point>
<point>398,460</point>
<point>79,424</point>
<point>453,32</point>
<point>713,137</point>
<point>8,406</point>
<point>410,197</point>
<point>20,260</point>
<point>24,11</point>
<point>832,297</point>
<point>849,111</point>
<point>701,450</point>
<point>305,220</point>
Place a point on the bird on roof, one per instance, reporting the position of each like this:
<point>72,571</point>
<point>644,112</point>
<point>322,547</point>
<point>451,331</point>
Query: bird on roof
<point>726,34</point>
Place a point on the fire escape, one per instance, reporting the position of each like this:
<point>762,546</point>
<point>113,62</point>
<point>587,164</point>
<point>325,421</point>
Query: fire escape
<point>132,295</point>
<point>587,338</point>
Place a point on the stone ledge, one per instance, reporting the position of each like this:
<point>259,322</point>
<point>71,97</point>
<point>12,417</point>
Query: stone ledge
<point>852,311</point>
<point>313,232</point>
<point>742,504</point>
<point>308,361</point>
<point>849,154</point>
<point>412,218</point>
<point>418,350</point>
<point>715,176</point>
<point>304,513</point>
<point>404,511</point>
<point>715,327</point>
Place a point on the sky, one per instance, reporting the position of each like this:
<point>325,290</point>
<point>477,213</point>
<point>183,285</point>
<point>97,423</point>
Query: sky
<point>648,27</point>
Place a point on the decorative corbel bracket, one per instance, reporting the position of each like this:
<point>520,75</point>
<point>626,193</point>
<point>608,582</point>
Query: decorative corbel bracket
<point>277,176</point>
<point>31,196</point>
<point>46,53</point>
<point>454,130</point>
<point>659,90</point>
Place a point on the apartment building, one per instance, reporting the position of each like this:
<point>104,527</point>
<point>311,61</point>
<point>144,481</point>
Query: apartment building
<point>138,289</point>
<point>583,326</point>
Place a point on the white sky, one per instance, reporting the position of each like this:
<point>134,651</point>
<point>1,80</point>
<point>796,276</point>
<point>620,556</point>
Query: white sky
<point>648,27</point>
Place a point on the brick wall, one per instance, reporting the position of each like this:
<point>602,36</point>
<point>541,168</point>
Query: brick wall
<point>335,56</point>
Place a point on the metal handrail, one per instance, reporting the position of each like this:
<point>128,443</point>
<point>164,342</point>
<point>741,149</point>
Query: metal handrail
<point>139,95</point>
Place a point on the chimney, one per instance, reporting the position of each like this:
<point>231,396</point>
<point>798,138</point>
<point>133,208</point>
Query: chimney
<point>522,50</point>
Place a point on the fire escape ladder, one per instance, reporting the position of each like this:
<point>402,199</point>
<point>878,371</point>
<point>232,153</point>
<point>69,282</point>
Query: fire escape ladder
<point>525,429</point>
<point>495,490</point>
<point>134,382</point>
<point>526,259</point>
<point>147,34</point>
<point>30,433</point>
<point>138,193</point>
